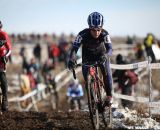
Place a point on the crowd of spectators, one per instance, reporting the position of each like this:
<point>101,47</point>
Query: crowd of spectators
<point>126,79</point>
<point>33,70</point>
<point>144,47</point>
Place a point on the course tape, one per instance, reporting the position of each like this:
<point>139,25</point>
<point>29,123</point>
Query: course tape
<point>130,66</point>
<point>154,104</point>
<point>138,99</point>
<point>142,64</point>
<point>155,65</point>
<point>131,98</point>
<point>137,65</point>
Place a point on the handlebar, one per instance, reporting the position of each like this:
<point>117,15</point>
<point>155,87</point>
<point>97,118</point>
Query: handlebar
<point>87,64</point>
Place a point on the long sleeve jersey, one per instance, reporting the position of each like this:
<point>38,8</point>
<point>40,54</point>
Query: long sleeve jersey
<point>5,47</point>
<point>92,48</point>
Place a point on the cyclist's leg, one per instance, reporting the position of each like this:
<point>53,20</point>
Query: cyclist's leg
<point>4,88</point>
<point>85,73</point>
<point>107,78</point>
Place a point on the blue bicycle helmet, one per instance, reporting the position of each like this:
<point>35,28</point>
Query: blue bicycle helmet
<point>95,20</point>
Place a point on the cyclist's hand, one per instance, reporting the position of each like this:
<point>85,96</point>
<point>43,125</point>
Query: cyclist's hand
<point>2,42</point>
<point>71,64</point>
<point>4,59</point>
<point>102,59</point>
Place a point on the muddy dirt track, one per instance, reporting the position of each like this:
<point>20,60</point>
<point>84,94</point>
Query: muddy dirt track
<point>13,120</point>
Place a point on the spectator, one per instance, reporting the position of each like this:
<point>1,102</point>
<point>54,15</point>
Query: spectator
<point>33,64</point>
<point>46,68</point>
<point>125,79</point>
<point>37,52</point>
<point>24,83</point>
<point>74,93</point>
<point>129,40</point>
<point>148,41</point>
<point>34,69</point>
<point>5,51</point>
<point>140,52</point>
<point>25,87</point>
<point>31,79</point>
<point>25,64</point>
<point>64,48</point>
<point>54,53</point>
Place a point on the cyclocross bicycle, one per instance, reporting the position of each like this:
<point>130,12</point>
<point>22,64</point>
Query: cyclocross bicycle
<point>95,93</point>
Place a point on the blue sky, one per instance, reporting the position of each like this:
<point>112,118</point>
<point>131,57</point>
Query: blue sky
<point>122,17</point>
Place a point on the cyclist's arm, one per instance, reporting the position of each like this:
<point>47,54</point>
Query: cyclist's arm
<point>7,44</point>
<point>108,44</point>
<point>75,46</point>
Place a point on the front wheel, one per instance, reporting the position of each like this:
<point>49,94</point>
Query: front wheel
<point>92,103</point>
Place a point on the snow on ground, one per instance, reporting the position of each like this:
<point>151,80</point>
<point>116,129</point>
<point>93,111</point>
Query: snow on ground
<point>125,118</point>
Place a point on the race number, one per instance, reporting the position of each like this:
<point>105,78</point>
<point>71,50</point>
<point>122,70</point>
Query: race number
<point>78,39</point>
<point>107,39</point>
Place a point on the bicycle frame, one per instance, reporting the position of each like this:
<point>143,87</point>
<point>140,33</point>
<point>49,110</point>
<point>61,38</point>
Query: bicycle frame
<point>94,87</point>
<point>92,72</point>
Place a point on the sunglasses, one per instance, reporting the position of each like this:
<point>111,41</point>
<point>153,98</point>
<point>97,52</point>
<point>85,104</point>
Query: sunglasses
<point>96,29</point>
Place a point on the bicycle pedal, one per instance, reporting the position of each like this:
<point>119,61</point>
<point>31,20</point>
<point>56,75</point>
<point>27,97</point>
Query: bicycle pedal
<point>107,105</point>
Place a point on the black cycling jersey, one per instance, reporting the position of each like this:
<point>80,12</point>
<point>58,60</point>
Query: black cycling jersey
<point>92,48</point>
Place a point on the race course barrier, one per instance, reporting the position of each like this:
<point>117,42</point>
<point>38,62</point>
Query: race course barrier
<point>33,97</point>
<point>145,64</point>
<point>64,77</point>
<point>40,93</point>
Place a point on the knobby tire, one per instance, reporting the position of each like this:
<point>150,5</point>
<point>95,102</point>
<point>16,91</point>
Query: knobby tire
<point>93,109</point>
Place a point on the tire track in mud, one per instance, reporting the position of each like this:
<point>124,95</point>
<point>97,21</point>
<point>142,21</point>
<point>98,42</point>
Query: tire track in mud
<point>54,120</point>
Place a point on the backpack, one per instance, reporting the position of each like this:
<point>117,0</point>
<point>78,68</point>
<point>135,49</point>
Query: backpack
<point>132,76</point>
